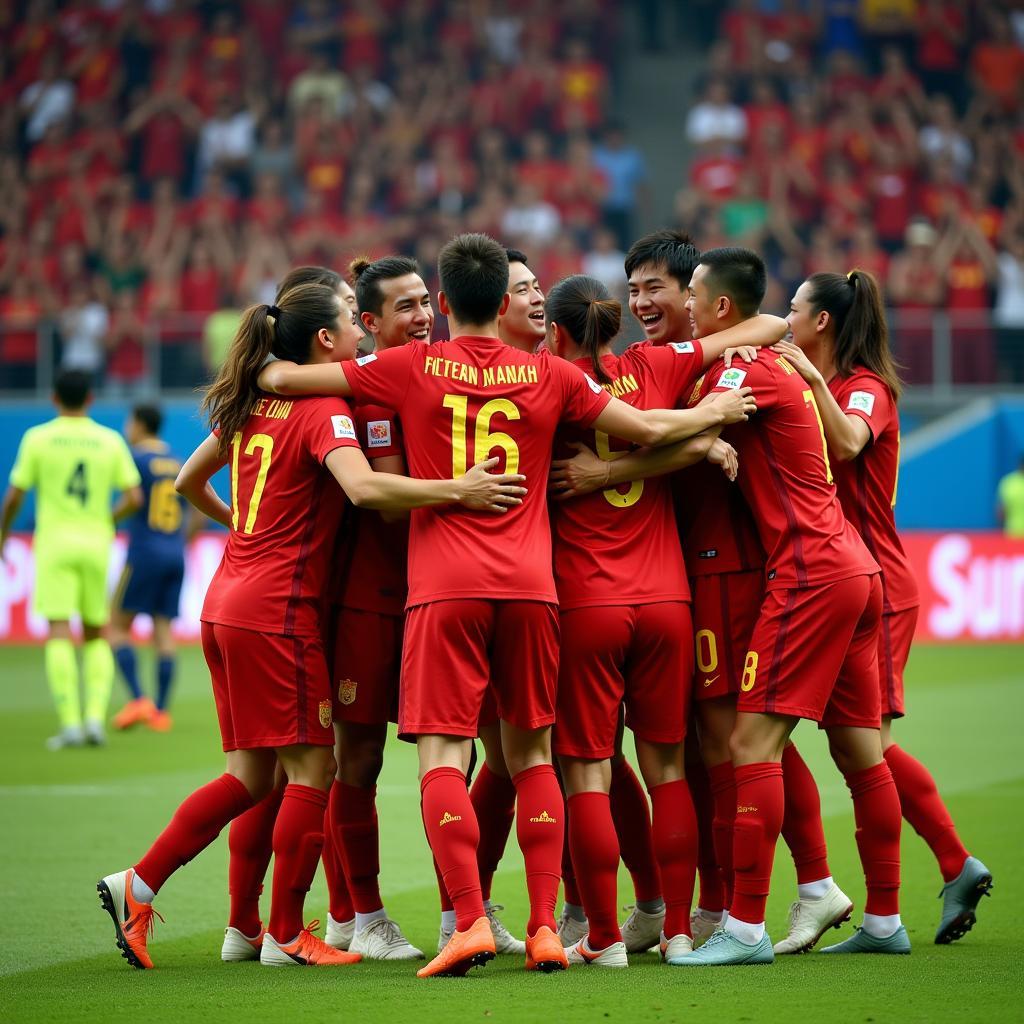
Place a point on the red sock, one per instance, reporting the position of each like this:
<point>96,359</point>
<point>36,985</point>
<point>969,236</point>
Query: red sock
<point>876,810</point>
<point>712,890</point>
<point>632,816</point>
<point>494,800</point>
<point>595,855</point>
<point>801,824</point>
<point>453,834</point>
<point>442,890</point>
<point>723,790</point>
<point>250,844</point>
<point>675,842</point>
<point>298,842</point>
<point>924,809</point>
<point>540,831</point>
<point>196,823</point>
<point>572,891</point>
<point>338,896</point>
<point>760,801</point>
<point>359,840</point>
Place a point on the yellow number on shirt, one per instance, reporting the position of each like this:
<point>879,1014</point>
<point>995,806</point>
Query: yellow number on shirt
<point>707,650</point>
<point>809,399</point>
<point>896,481</point>
<point>749,672</point>
<point>484,439</point>
<point>265,444</point>
<point>611,494</point>
<point>164,507</point>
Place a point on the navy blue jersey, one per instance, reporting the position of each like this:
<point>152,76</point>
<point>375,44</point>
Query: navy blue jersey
<point>157,530</point>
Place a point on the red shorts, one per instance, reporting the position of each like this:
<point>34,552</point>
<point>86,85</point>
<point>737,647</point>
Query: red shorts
<point>455,650</point>
<point>270,690</point>
<point>366,667</point>
<point>725,609</point>
<point>895,636</point>
<point>637,655</point>
<point>814,654</point>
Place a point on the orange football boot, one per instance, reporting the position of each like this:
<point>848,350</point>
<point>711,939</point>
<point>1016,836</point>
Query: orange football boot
<point>160,721</point>
<point>133,920</point>
<point>141,709</point>
<point>471,948</point>
<point>544,951</point>
<point>308,950</point>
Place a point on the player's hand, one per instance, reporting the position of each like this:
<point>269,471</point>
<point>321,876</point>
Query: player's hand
<point>271,375</point>
<point>721,453</point>
<point>748,353</point>
<point>484,491</point>
<point>736,405</point>
<point>583,474</point>
<point>798,360</point>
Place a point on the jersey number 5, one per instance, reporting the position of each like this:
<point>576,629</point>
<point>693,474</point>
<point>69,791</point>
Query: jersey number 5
<point>264,443</point>
<point>613,495</point>
<point>484,439</point>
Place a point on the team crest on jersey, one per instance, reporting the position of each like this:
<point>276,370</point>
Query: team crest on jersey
<point>378,433</point>
<point>862,400</point>
<point>732,378</point>
<point>681,348</point>
<point>363,360</point>
<point>325,714</point>
<point>594,386</point>
<point>544,819</point>
<point>347,691</point>
<point>344,427</point>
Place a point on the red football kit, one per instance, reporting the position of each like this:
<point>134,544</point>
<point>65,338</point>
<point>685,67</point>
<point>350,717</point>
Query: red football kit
<point>867,492</point>
<point>470,398</point>
<point>627,635</point>
<point>262,615</point>
<point>813,653</point>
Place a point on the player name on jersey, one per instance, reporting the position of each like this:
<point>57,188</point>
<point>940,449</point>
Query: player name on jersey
<point>493,376</point>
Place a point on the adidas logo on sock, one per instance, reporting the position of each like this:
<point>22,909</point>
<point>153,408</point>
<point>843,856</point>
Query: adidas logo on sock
<point>545,819</point>
<point>447,818</point>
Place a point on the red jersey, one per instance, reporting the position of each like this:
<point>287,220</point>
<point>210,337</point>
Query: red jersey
<point>376,552</point>
<point>285,511</point>
<point>620,545</point>
<point>786,479</point>
<point>867,484</point>
<point>469,398</point>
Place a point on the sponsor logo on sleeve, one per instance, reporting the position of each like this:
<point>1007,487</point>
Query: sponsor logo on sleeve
<point>594,386</point>
<point>863,401</point>
<point>378,433</point>
<point>681,348</point>
<point>363,360</point>
<point>732,378</point>
<point>343,427</point>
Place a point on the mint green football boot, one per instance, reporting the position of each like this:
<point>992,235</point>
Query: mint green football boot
<point>723,949</point>
<point>959,900</point>
<point>861,942</point>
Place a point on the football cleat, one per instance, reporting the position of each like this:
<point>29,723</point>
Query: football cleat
<point>472,948</point>
<point>960,898</point>
<point>94,734</point>
<point>307,950</point>
<point>723,949</point>
<point>339,934</point>
<point>810,919</point>
<point>505,943</point>
<point>641,931</point>
<point>611,956</point>
<point>703,927</point>
<point>570,931</point>
<point>383,940</point>
<point>237,946</point>
<point>72,736</point>
<point>160,722</point>
<point>678,945</point>
<point>135,712</point>
<point>862,942</point>
<point>544,951</point>
<point>133,920</point>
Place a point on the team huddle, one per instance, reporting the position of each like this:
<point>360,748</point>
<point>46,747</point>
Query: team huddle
<point>545,543</point>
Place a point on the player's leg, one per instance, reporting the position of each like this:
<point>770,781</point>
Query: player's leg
<point>97,658</point>
<point>711,893</point>
<point>166,659</point>
<point>139,707</point>
<point>716,718</point>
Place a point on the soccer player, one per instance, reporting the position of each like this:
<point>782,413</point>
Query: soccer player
<point>74,465</point>
<point>840,346</point>
<point>481,610</point>
<point>522,325</point>
<point>261,619</point>
<point>153,571</point>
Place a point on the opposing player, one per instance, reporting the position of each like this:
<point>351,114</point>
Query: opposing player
<point>840,346</point>
<point>270,678</point>
<point>75,466</point>
<point>153,571</point>
<point>481,608</point>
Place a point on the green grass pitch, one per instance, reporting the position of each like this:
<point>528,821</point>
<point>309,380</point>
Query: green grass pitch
<point>66,819</point>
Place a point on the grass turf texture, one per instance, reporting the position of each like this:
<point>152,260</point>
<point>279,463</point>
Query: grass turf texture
<point>69,818</point>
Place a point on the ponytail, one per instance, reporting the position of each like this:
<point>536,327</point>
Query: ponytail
<point>285,330</point>
<point>584,307</point>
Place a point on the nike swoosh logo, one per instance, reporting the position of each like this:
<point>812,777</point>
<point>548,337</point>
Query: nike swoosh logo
<point>587,955</point>
<point>708,682</point>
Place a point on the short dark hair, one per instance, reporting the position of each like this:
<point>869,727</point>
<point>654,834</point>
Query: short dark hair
<point>308,275</point>
<point>368,274</point>
<point>517,256</point>
<point>149,416</point>
<point>72,388</point>
<point>737,273</point>
<point>473,269</point>
<point>673,250</point>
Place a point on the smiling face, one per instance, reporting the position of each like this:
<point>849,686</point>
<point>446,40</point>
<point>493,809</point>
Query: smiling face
<point>406,313</point>
<point>702,306</point>
<point>522,324</point>
<point>805,326</point>
<point>658,301</point>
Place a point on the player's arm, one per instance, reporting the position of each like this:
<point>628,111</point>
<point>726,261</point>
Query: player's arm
<point>757,332</point>
<point>128,504</point>
<point>478,489</point>
<point>282,377</point>
<point>193,481</point>
<point>11,507</point>
<point>394,464</point>
<point>847,434</point>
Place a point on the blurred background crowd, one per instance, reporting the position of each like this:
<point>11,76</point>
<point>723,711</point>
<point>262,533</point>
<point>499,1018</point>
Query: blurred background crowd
<point>164,162</point>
